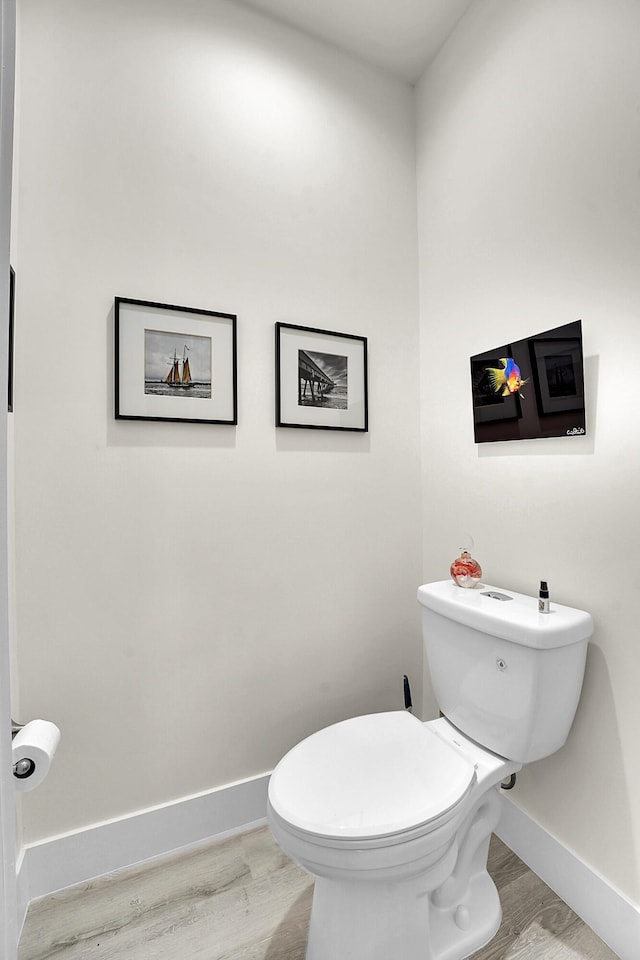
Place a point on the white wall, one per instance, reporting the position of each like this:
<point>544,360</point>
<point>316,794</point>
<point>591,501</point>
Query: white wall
<point>529,217</point>
<point>191,600</point>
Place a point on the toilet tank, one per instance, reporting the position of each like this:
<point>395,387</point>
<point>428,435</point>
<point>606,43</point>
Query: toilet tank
<point>504,674</point>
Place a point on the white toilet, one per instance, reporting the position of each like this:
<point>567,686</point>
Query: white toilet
<point>393,816</point>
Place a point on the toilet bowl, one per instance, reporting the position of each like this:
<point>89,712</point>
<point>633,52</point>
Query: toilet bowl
<point>392,817</point>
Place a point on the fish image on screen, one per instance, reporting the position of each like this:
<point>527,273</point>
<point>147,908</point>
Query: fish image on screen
<point>531,388</point>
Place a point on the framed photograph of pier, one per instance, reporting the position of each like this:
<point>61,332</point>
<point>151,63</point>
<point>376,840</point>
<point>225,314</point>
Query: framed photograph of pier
<point>174,363</point>
<point>321,379</point>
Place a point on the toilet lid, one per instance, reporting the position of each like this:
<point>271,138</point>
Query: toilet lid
<point>369,777</point>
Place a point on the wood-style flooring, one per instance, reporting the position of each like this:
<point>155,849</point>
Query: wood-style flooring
<point>242,899</point>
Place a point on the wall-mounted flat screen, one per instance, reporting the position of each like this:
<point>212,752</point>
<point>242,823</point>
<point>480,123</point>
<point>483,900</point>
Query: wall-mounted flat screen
<point>531,388</point>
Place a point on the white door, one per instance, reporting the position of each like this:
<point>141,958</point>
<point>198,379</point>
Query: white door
<point>8,897</point>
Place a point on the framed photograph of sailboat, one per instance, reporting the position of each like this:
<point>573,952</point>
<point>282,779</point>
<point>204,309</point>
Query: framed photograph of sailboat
<point>174,363</point>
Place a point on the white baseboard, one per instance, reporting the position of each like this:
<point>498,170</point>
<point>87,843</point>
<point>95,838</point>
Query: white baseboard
<point>22,890</point>
<point>603,908</point>
<point>71,858</point>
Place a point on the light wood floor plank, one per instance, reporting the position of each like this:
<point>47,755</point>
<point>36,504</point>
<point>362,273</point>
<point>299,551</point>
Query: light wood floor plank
<point>243,899</point>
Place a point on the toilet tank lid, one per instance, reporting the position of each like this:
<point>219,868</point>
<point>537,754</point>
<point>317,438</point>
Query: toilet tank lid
<point>371,776</point>
<point>516,618</point>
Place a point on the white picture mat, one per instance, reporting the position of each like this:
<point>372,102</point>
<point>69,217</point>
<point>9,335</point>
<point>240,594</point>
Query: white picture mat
<point>134,319</point>
<point>294,339</point>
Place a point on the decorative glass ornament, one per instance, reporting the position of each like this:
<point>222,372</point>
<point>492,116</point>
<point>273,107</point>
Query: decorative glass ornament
<point>465,571</point>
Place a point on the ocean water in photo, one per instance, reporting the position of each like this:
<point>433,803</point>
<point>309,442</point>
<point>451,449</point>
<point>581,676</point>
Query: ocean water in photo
<point>162,389</point>
<point>335,399</point>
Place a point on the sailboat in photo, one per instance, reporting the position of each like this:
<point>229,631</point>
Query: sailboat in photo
<point>176,365</point>
<point>177,377</point>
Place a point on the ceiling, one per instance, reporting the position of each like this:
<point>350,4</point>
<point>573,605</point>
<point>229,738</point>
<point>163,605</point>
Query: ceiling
<point>401,36</point>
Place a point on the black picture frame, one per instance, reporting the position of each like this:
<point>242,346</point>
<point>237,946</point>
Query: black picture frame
<point>321,379</point>
<point>10,348</point>
<point>198,384</point>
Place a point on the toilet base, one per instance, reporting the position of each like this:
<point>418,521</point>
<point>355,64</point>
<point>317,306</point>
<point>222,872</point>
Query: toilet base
<point>448,940</point>
<point>382,921</point>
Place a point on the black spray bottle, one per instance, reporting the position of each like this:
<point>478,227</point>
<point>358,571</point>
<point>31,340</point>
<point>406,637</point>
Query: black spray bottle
<point>543,597</point>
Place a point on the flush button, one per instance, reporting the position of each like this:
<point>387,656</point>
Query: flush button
<point>496,595</point>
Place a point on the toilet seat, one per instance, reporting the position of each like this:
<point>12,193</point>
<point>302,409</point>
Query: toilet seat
<point>370,777</point>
